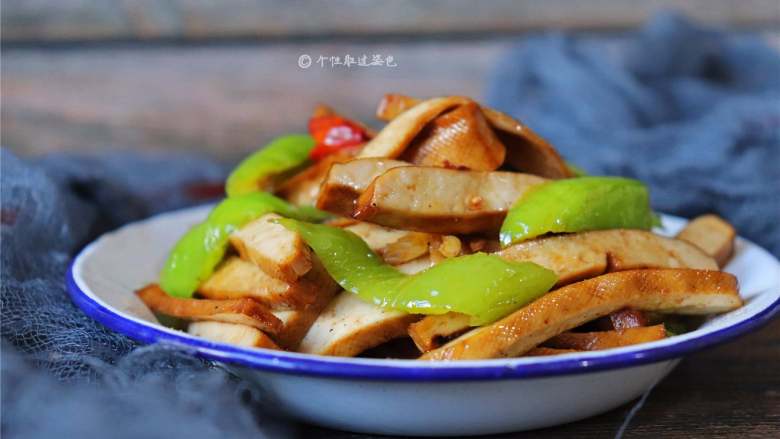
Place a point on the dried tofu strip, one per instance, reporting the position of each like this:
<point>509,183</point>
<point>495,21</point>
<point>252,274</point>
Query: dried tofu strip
<point>241,311</point>
<point>544,352</point>
<point>574,257</point>
<point>445,201</point>
<point>231,333</point>
<point>460,138</point>
<point>376,237</point>
<point>398,247</point>
<point>526,151</point>
<point>296,307</point>
<point>393,104</point>
<point>578,256</point>
<point>713,235</point>
<point>349,326</point>
<point>681,291</point>
<point>433,331</point>
<point>346,181</point>
<point>596,341</point>
<point>296,323</point>
<point>304,187</point>
<point>278,251</point>
<point>396,136</point>
<point>236,278</point>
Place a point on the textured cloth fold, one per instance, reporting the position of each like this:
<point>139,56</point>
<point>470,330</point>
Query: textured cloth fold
<point>692,112</point>
<point>65,375</point>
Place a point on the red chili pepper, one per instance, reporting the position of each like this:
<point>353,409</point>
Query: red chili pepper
<point>333,134</point>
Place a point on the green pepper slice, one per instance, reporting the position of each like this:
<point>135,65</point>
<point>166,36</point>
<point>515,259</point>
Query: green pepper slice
<point>281,155</point>
<point>576,205</point>
<point>198,252</point>
<point>482,286</point>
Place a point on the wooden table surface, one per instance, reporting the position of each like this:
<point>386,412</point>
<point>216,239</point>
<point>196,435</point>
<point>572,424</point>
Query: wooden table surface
<point>730,391</point>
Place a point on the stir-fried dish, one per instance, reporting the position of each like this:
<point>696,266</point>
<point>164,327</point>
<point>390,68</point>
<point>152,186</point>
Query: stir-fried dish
<point>454,232</point>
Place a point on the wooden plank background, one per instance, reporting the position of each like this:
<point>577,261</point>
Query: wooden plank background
<point>198,19</point>
<point>214,99</point>
<point>222,78</point>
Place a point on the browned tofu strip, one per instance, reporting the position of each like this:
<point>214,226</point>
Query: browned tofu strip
<point>433,331</point>
<point>296,322</point>
<point>438,200</point>
<point>542,351</point>
<point>681,291</point>
<point>278,251</point>
<point>596,341</point>
<point>582,255</point>
<point>712,234</point>
<point>232,333</point>
<point>375,236</point>
<point>349,326</point>
<point>236,278</point>
<point>304,187</point>
<point>396,136</point>
<point>575,257</point>
<point>393,104</point>
<point>346,181</point>
<point>460,138</point>
<point>397,246</point>
<point>526,151</point>
<point>242,311</point>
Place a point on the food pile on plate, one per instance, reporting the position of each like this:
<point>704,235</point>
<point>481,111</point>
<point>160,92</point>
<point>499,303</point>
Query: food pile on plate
<point>455,232</point>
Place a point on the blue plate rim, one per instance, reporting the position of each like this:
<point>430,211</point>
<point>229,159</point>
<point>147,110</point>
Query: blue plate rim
<point>270,361</point>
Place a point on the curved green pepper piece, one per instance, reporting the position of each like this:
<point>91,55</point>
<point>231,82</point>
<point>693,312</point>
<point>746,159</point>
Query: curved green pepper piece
<point>576,205</point>
<point>281,155</point>
<point>198,252</point>
<point>482,286</point>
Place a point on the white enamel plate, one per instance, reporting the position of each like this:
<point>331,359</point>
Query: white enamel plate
<point>403,396</point>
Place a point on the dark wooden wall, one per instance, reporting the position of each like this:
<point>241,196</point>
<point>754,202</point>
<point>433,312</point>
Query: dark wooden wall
<point>223,77</point>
